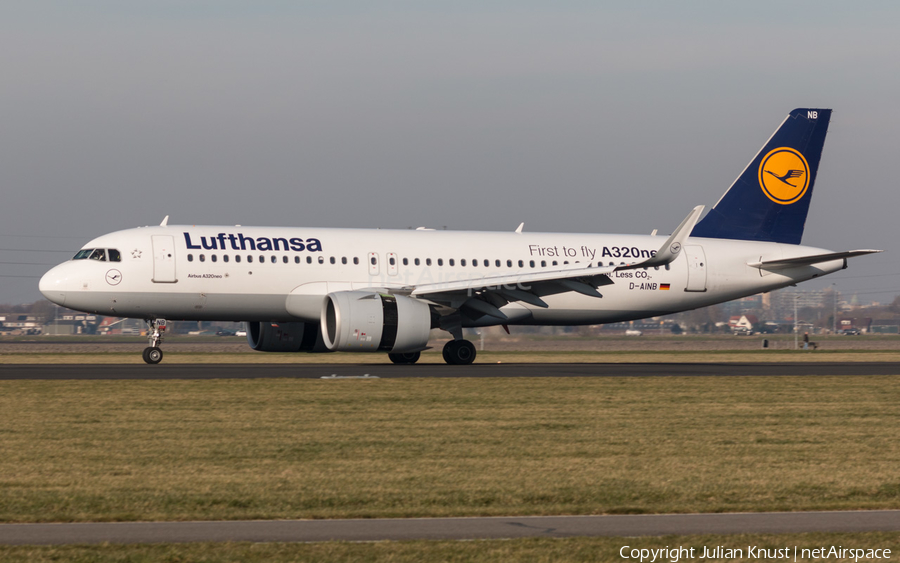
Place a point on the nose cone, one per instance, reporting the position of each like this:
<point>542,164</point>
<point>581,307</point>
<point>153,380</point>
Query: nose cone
<point>53,284</point>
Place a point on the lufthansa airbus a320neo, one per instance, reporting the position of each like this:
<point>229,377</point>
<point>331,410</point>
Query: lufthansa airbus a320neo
<point>363,290</point>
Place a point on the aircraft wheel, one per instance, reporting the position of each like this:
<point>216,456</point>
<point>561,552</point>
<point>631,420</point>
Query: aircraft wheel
<point>459,352</point>
<point>152,355</point>
<point>446,351</point>
<point>405,358</point>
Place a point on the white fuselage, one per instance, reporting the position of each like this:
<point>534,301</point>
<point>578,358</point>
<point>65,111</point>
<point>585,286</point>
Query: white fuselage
<point>282,274</point>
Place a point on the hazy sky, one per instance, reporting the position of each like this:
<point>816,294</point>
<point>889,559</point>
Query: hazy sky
<point>570,116</point>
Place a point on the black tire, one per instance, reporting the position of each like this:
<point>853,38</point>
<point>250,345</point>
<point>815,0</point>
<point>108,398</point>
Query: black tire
<point>446,351</point>
<point>405,358</point>
<point>152,355</point>
<point>459,352</point>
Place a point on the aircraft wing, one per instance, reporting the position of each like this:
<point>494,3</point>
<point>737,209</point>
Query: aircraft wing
<point>487,294</point>
<point>520,280</point>
<point>809,260</point>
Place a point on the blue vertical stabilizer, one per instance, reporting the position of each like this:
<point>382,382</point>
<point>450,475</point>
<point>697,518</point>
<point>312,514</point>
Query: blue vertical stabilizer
<point>770,200</point>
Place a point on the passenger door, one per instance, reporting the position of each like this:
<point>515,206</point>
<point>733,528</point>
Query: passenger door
<point>696,258</point>
<point>164,259</point>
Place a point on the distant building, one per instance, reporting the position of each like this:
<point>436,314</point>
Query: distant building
<point>742,322</point>
<point>863,324</point>
<point>19,323</point>
<point>885,326</point>
<point>780,304</point>
<point>72,323</point>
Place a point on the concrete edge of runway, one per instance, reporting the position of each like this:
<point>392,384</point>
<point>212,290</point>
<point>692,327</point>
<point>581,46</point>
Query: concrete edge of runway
<point>398,529</point>
<point>359,371</point>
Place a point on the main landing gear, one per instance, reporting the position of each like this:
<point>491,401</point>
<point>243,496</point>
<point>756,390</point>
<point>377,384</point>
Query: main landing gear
<point>153,354</point>
<point>406,358</point>
<point>459,352</point>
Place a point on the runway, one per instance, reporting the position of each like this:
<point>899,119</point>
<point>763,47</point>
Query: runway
<point>449,528</point>
<point>317,371</point>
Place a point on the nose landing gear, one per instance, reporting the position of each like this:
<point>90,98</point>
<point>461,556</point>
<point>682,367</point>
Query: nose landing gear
<point>153,354</point>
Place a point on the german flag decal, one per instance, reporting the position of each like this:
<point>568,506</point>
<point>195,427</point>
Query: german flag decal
<point>664,286</point>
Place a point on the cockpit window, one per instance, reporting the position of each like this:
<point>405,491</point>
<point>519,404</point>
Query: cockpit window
<point>99,254</point>
<point>114,255</point>
<point>83,254</point>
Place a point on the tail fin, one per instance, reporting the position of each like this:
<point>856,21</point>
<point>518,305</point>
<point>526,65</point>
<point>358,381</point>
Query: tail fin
<point>770,200</point>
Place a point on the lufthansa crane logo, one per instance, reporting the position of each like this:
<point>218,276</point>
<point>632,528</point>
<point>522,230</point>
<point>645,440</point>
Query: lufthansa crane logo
<point>784,175</point>
<point>113,277</point>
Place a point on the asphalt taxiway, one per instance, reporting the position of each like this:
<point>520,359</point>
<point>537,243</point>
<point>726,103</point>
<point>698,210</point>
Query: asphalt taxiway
<point>317,371</point>
<point>398,529</point>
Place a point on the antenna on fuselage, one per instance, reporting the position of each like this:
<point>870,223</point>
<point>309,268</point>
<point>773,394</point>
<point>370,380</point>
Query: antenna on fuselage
<point>165,221</point>
<point>519,228</point>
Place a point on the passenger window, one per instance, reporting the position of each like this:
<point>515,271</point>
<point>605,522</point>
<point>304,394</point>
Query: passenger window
<point>83,254</point>
<point>284,259</point>
<point>237,258</point>
<point>667,266</point>
<point>249,259</point>
<point>114,255</point>
<point>428,261</point>
<point>355,260</point>
<point>213,258</point>
<point>461,262</point>
<point>262,259</point>
<point>99,254</point>
<point>531,263</point>
<point>392,261</point>
<point>440,261</point>
<point>543,263</point>
<point>274,259</point>
<point>406,261</point>
<point>555,263</point>
<point>343,260</point>
<point>296,259</point>
<point>417,261</point>
<point>332,260</point>
<point>488,263</point>
<point>321,259</point>
<point>509,263</point>
<point>474,262</point>
<point>203,258</point>
<point>521,264</point>
<point>374,261</point>
<point>225,258</point>
<point>451,262</point>
<point>309,259</point>
<point>497,263</point>
<point>190,257</point>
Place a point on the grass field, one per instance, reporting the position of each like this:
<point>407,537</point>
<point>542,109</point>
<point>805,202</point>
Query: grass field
<point>499,551</point>
<point>248,449</point>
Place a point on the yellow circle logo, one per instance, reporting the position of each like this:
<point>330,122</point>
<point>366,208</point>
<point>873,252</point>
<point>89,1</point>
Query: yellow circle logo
<point>784,175</point>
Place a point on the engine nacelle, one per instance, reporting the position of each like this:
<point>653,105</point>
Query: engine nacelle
<point>361,321</point>
<point>284,337</point>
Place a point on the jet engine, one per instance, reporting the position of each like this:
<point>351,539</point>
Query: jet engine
<point>360,321</point>
<point>284,337</point>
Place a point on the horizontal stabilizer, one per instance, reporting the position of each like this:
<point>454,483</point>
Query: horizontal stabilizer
<point>809,260</point>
